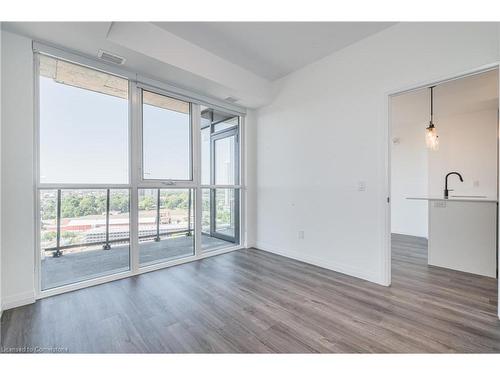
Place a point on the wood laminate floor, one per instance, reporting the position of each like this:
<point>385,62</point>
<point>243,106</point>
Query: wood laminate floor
<point>253,301</point>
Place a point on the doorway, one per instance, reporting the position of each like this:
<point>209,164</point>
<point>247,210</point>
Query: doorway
<point>438,238</point>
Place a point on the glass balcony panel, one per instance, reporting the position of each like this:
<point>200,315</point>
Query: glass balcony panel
<point>220,224</point>
<point>93,241</point>
<point>166,231</point>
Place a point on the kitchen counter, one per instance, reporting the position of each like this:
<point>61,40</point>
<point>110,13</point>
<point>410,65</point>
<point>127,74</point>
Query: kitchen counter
<point>457,198</point>
<point>462,233</point>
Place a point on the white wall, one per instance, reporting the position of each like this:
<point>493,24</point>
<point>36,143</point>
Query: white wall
<point>1,303</point>
<point>251,176</point>
<point>409,163</point>
<point>326,131</point>
<point>469,146</point>
<point>17,171</point>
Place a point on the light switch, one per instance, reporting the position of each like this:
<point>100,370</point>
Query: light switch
<point>361,186</point>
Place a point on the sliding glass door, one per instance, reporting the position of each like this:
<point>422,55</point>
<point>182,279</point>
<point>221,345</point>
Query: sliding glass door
<point>124,182</point>
<point>220,174</point>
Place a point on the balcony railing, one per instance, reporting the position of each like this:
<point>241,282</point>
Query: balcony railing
<point>106,244</point>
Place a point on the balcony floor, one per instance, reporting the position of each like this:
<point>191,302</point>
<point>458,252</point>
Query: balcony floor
<point>74,267</point>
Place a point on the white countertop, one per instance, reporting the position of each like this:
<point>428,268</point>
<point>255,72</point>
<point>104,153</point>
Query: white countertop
<point>456,198</point>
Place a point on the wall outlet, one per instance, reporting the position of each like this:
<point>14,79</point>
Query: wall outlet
<point>301,234</point>
<point>440,204</point>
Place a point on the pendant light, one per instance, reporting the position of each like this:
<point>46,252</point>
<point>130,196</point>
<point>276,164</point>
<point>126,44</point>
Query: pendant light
<point>431,137</point>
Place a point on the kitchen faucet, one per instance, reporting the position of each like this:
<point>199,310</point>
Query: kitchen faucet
<point>446,190</point>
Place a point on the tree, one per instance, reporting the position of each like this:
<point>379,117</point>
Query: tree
<point>85,204</point>
<point>119,202</point>
<point>48,208</point>
<point>176,200</point>
<point>49,236</point>
<point>147,203</point>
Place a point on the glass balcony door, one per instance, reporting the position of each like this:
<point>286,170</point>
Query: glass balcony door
<point>224,202</point>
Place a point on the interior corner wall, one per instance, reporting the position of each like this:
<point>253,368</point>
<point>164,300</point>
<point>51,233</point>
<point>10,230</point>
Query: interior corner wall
<point>251,177</point>
<point>17,195</point>
<point>322,143</point>
<point>1,303</point>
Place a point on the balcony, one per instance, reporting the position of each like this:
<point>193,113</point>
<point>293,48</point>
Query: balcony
<point>75,267</point>
<point>85,233</point>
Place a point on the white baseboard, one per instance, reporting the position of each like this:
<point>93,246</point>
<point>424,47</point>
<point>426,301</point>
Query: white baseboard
<point>21,299</point>
<point>333,266</point>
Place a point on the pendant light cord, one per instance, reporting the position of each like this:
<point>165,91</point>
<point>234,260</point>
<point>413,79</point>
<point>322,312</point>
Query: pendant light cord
<point>432,102</point>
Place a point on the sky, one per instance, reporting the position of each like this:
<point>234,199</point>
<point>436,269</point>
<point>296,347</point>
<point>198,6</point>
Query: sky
<point>166,148</point>
<point>84,137</point>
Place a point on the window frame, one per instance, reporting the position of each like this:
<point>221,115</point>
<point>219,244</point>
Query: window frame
<point>220,135</point>
<point>51,185</point>
<point>237,186</point>
<point>135,84</point>
<point>140,125</point>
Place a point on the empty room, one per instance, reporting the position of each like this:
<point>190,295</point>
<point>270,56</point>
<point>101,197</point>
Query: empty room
<point>269,187</point>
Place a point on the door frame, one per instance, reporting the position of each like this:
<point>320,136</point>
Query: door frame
<point>214,137</point>
<point>386,237</point>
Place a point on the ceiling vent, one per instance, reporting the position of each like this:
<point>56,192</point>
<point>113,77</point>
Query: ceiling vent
<point>231,99</point>
<point>110,57</point>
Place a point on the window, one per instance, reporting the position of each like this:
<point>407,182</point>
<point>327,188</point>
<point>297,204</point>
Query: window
<point>166,225</point>
<point>205,156</point>
<point>83,141</point>
<point>225,159</point>
<point>103,197</point>
<point>84,234</point>
<point>83,124</point>
<point>166,135</point>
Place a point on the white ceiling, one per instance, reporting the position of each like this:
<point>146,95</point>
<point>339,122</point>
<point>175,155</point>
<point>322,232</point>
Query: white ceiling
<point>220,60</point>
<point>273,49</point>
<point>473,93</point>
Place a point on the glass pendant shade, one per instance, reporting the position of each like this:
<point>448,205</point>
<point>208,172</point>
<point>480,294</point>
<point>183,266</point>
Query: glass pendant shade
<point>431,138</point>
